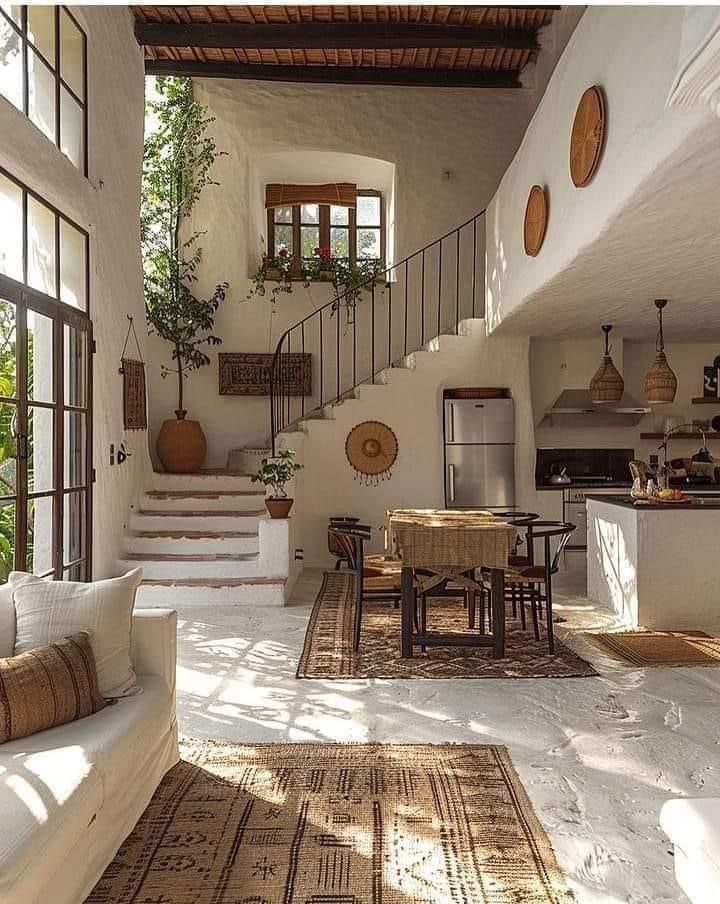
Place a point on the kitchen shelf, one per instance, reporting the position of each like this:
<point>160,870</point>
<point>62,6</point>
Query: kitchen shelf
<point>706,400</point>
<point>694,435</point>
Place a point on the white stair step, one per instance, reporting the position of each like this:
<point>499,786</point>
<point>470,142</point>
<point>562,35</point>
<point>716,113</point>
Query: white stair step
<point>214,592</point>
<point>190,542</point>
<point>175,567</point>
<point>205,481</point>
<point>204,500</point>
<point>197,520</point>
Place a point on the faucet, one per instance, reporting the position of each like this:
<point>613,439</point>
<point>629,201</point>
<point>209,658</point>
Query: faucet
<point>668,434</point>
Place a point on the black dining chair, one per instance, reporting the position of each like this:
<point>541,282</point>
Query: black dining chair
<point>375,578</point>
<point>532,584</point>
<point>519,520</point>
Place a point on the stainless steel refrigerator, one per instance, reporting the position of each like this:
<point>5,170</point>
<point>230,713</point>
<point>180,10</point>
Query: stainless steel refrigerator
<point>479,453</point>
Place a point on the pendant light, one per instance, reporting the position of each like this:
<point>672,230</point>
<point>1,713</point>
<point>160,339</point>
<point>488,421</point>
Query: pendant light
<point>660,383</point>
<point>607,385</point>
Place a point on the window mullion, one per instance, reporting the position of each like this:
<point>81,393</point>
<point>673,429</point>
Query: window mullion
<point>324,230</point>
<point>297,247</point>
<point>352,244</point>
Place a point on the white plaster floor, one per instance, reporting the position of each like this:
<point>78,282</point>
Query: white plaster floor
<point>598,756</point>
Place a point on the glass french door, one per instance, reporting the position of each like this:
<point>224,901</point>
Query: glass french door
<point>45,436</point>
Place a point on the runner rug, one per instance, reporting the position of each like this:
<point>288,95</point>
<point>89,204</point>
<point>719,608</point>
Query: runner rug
<point>661,648</point>
<point>337,824</point>
<point>328,651</point>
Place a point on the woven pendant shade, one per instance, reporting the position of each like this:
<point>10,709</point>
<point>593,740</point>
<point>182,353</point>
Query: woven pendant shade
<point>607,385</point>
<point>660,384</point>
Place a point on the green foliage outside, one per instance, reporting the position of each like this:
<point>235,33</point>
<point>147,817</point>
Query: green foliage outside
<point>179,156</point>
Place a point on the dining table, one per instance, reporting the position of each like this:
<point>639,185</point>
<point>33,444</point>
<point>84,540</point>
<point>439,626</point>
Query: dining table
<point>441,547</point>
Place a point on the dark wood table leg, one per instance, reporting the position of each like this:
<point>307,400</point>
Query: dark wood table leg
<point>406,612</point>
<point>497,584</point>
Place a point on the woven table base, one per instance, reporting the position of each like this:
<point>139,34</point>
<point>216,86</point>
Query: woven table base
<point>661,648</point>
<point>337,824</point>
<point>328,651</point>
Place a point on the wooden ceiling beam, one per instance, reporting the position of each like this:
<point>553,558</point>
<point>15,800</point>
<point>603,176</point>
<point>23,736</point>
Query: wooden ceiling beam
<point>332,36</point>
<point>339,75</point>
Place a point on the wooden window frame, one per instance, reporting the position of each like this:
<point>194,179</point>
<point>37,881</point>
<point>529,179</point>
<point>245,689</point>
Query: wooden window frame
<point>26,299</point>
<point>55,68</point>
<point>324,230</point>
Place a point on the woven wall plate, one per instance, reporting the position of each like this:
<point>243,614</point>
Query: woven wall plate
<point>587,136</point>
<point>536,218</point>
<point>371,448</point>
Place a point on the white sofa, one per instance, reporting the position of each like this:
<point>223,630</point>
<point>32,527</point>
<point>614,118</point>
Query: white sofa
<point>70,795</point>
<point>693,826</point>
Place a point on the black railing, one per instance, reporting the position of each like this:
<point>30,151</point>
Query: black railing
<point>365,330</point>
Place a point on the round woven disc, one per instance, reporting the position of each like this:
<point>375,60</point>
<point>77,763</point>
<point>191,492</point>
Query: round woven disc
<point>536,217</point>
<point>588,134</point>
<point>371,448</point>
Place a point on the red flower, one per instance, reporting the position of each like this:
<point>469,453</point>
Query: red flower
<point>283,252</point>
<point>323,252</point>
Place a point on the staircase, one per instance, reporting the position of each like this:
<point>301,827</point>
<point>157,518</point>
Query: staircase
<point>205,539</point>
<point>367,331</point>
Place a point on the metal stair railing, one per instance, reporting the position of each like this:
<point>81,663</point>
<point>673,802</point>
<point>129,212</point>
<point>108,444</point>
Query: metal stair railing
<point>356,335</point>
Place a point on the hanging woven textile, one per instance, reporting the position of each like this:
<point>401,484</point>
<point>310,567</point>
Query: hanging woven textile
<point>134,392</point>
<point>371,448</point>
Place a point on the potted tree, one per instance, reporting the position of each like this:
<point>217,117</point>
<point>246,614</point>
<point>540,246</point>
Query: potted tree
<point>176,168</point>
<point>275,473</point>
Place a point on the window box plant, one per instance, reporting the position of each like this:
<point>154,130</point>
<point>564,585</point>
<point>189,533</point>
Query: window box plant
<point>275,473</point>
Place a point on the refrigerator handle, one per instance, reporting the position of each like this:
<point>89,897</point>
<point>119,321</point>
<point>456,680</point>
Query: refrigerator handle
<point>451,483</point>
<point>451,425</point>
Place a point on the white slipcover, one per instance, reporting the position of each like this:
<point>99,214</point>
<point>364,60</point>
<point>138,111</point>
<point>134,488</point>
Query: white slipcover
<point>693,826</point>
<point>69,796</point>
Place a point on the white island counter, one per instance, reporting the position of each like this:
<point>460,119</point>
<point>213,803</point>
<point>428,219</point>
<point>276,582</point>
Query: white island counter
<point>658,566</point>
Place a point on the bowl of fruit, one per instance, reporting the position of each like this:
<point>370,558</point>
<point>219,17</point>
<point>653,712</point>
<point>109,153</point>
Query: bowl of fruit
<point>671,496</point>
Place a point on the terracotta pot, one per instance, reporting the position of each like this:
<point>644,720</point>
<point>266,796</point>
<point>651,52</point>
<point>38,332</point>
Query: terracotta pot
<point>181,445</point>
<point>278,508</point>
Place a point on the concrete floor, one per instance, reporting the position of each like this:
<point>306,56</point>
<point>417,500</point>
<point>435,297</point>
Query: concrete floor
<point>598,756</point>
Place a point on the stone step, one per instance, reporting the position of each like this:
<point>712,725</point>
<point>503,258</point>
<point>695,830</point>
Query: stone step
<point>206,481</point>
<point>212,592</point>
<point>197,520</point>
<point>175,567</point>
<point>191,542</point>
<point>205,500</point>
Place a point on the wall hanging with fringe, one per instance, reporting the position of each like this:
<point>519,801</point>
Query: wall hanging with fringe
<point>371,448</point>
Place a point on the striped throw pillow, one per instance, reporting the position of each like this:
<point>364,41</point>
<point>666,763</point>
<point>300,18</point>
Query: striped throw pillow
<point>48,686</point>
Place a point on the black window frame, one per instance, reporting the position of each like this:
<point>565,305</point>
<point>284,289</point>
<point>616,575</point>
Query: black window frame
<point>324,227</point>
<point>54,67</point>
<point>65,448</point>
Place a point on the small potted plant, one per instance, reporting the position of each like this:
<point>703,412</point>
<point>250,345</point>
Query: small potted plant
<point>275,473</point>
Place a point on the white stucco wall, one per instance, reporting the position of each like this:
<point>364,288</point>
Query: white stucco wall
<point>633,53</point>
<point>422,133</point>
<point>411,404</point>
<point>106,204</point>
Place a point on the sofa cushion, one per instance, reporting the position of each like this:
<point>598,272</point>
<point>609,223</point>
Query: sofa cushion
<point>48,686</point>
<point>48,798</point>
<point>7,621</point>
<point>57,780</point>
<point>47,611</point>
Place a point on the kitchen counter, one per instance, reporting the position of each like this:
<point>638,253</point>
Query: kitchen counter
<point>695,502</point>
<point>660,572</point>
<point>610,485</point>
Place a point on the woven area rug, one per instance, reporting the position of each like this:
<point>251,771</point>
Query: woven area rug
<point>337,824</point>
<point>328,651</point>
<point>661,648</point>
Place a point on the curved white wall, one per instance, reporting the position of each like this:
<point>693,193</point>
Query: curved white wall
<point>633,53</point>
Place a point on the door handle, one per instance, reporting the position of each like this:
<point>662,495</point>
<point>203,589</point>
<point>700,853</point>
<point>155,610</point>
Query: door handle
<point>451,483</point>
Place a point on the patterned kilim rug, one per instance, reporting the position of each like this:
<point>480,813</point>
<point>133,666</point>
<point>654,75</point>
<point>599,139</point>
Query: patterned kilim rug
<point>661,648</point>
<point>337,824</point>
<point>328,651</point>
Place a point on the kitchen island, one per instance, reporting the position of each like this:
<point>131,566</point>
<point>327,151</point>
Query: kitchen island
<point>656,565</point>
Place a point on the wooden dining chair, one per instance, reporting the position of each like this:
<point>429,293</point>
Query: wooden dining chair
<point>333,546</point>
<point>374,578</point>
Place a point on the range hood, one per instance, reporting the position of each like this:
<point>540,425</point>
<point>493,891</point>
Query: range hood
<point>575,408</point>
